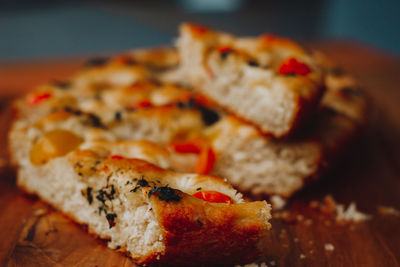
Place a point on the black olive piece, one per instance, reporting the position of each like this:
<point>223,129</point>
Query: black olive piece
<point>62,85</point>
<point>95,121</point>
<point>352,91</point>
<point>337,71</point>
<point>181,104</point>
<point>68,109</point>
<point>209,116</point>
<point>97,62</point>
<point>225,54</point>
<point>191,103</point>
<point>253,63</point>
<point>75,112</point>
<point>118,116</point>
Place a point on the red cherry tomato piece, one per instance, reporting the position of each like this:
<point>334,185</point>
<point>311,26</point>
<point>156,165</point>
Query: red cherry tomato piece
<point>116,157</point>
<point>206,159</point>
<point>192,146</point>
<point>213,196</point>
<point>38,98</point>
<point>144,103</point>
<point>141,104</point>
<point>205,162</point>
<point>224,49</point>
<point>292,66</point>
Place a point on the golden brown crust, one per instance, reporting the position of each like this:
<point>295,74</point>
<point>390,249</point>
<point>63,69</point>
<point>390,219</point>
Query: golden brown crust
<point>211,231</point>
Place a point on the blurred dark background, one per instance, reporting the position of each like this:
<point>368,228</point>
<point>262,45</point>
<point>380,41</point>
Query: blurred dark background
<point>42,29</point>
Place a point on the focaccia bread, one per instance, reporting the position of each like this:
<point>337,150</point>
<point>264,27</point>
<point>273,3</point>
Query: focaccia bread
<point>147,212</point>
<point>117,186</point>
<point>268,81</point>
<point>87,139</point>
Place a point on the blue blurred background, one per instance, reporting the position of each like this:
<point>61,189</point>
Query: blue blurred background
<point>43,29</point>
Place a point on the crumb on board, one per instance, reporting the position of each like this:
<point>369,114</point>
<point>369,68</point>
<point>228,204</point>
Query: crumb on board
<point>288,216</point>
<point>350,214</point>
<point>329,247</point>
<point>387,210</point>
<point>314,204</point>
<point>331,211</point>
<point>302,256</point>
<point>308,222</point>
<point>329,206</point>
<point>277,202</point>
<point>282,233</point>
<point>300,217</point>
<point>342,214</point>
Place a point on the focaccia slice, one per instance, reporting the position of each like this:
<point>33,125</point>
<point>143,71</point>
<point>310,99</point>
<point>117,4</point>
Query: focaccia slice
<point>268,81</point>
<point>151,214</point>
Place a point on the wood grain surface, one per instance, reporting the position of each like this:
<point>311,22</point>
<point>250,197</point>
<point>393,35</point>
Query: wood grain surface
<point>33,234</point>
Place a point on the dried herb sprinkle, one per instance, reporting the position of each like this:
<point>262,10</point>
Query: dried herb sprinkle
<point>165,193</point>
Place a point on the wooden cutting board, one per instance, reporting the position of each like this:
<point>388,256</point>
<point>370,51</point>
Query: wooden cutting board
<point>33,234</point>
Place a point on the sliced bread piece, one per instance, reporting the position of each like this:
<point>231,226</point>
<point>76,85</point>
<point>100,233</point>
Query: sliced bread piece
<point>268,81</point>
<point>150,214</point>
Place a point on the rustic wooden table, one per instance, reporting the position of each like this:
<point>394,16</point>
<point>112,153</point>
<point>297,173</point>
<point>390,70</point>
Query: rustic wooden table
<point>32,234</point>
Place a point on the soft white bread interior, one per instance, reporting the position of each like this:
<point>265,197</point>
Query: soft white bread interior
<point>258,164</point>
